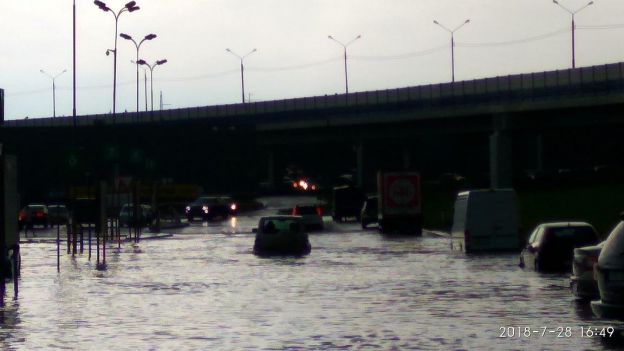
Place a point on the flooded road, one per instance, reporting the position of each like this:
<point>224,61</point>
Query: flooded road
<point>203,289</point>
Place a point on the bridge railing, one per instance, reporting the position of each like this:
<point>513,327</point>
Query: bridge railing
<point>603,79</point>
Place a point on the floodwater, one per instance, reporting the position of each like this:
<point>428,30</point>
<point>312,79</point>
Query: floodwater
<point>203,289</point>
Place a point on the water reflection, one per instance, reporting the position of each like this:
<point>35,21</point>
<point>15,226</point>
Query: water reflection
<point>203,289</point>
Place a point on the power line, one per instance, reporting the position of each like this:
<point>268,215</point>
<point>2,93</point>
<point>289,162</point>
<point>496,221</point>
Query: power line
<point>517,41</point>
<point>401,56</point>
<point>294,67</point>
<point>606,26</point>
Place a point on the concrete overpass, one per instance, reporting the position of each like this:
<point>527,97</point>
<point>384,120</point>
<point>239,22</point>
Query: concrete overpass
<point>554,118</point>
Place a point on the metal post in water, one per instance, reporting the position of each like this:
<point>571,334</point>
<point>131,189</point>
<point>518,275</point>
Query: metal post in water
<point>70,228</point>
<point>16,270</point>
<point>89,241</point>
<point>97,246</point>
<point>58,247</point>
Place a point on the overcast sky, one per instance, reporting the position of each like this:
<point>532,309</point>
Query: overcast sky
<point>400,46</point>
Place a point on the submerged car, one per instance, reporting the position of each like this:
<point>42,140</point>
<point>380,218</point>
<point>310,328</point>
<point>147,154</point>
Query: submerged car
<point>281,235</point>
<point>58,214</point>
<point>311,215</point>
<point>609,273</point>
<point>210,208</point>
<point>551,245</point>
<point>35,214</point>
<point>582,282</point>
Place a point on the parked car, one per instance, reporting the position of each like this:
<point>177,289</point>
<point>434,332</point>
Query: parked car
<point>35,214</point>
<point>368,214</point>
<point>609,273</point>
<point>311,215</point>
<point>582,282</point>
<point>551,245</point>
<point>281,235</point>
<point>145,215</point>
<point>58,214</point>
<point>211,207</point>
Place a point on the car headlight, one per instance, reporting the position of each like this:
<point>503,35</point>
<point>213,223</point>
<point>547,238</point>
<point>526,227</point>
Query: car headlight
<point>233,207</point>
<point>188,209</point>
<point>205,209</point>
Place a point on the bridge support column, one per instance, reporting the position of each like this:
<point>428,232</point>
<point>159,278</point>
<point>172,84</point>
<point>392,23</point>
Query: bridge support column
<point>271,170</point>
<point>407,159</point>
<point>500,153</point>
<point>539,146</point>
<point>359,164</point>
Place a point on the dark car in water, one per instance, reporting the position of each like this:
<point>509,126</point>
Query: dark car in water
<point>551,245</point>
<point>281,235</point>
<point>211,207</point>
<point>58,214</point>
<point>35,214</point>
<point>609,273</point>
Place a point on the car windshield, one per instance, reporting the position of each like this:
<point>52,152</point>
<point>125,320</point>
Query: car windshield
<point>576,235</point>
<point>306,210</point>
<point>277,225</point>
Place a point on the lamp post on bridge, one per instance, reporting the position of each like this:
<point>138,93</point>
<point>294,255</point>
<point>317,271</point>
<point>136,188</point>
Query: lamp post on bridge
<point>53,89</point>
<point>452,31</point>
<point>138,46</point>
<point>151,68</point>
<point>344,46</point>
<point>242,68</point>
<point>572,13</point>
<point>129,7</point>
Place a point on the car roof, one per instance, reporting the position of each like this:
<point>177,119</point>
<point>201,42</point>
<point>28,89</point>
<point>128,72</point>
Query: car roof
<point>36,205</point>
<point>282,218</point>
<point>565,224</point>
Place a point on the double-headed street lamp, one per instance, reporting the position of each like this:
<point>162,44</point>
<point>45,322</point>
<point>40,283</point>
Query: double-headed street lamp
<point>242,68</point>
<point>138,46</point>
<point>53,89</point>
<point>344,46</point>
<point>129,7</point>
<point>452,31</point>
<point>151,68</point>
<point>573,25</point>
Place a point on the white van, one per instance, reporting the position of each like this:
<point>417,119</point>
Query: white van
<point>485,220</point>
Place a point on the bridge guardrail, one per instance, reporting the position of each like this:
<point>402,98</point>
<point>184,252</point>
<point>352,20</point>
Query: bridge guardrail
<point>585,80</point>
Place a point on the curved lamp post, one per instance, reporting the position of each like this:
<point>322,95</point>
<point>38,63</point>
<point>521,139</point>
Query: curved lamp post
<point>151,68</point>
<point>138,46</point>
<point>452,31</point>
<point>242,68</point>
<point>573,26</point>
<point>53,89</point>
<point>129,7</point>
<point>344,46</point>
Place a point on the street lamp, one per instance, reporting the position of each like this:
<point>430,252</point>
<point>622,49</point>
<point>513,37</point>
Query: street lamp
<point>344,46</point>
<point>151,68</point>
<point>53,89</point>
<point>129,7</point>
<point>573,25</point>
<point>452,44</point>
<point>242,68</point>
<point>138,46</point>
